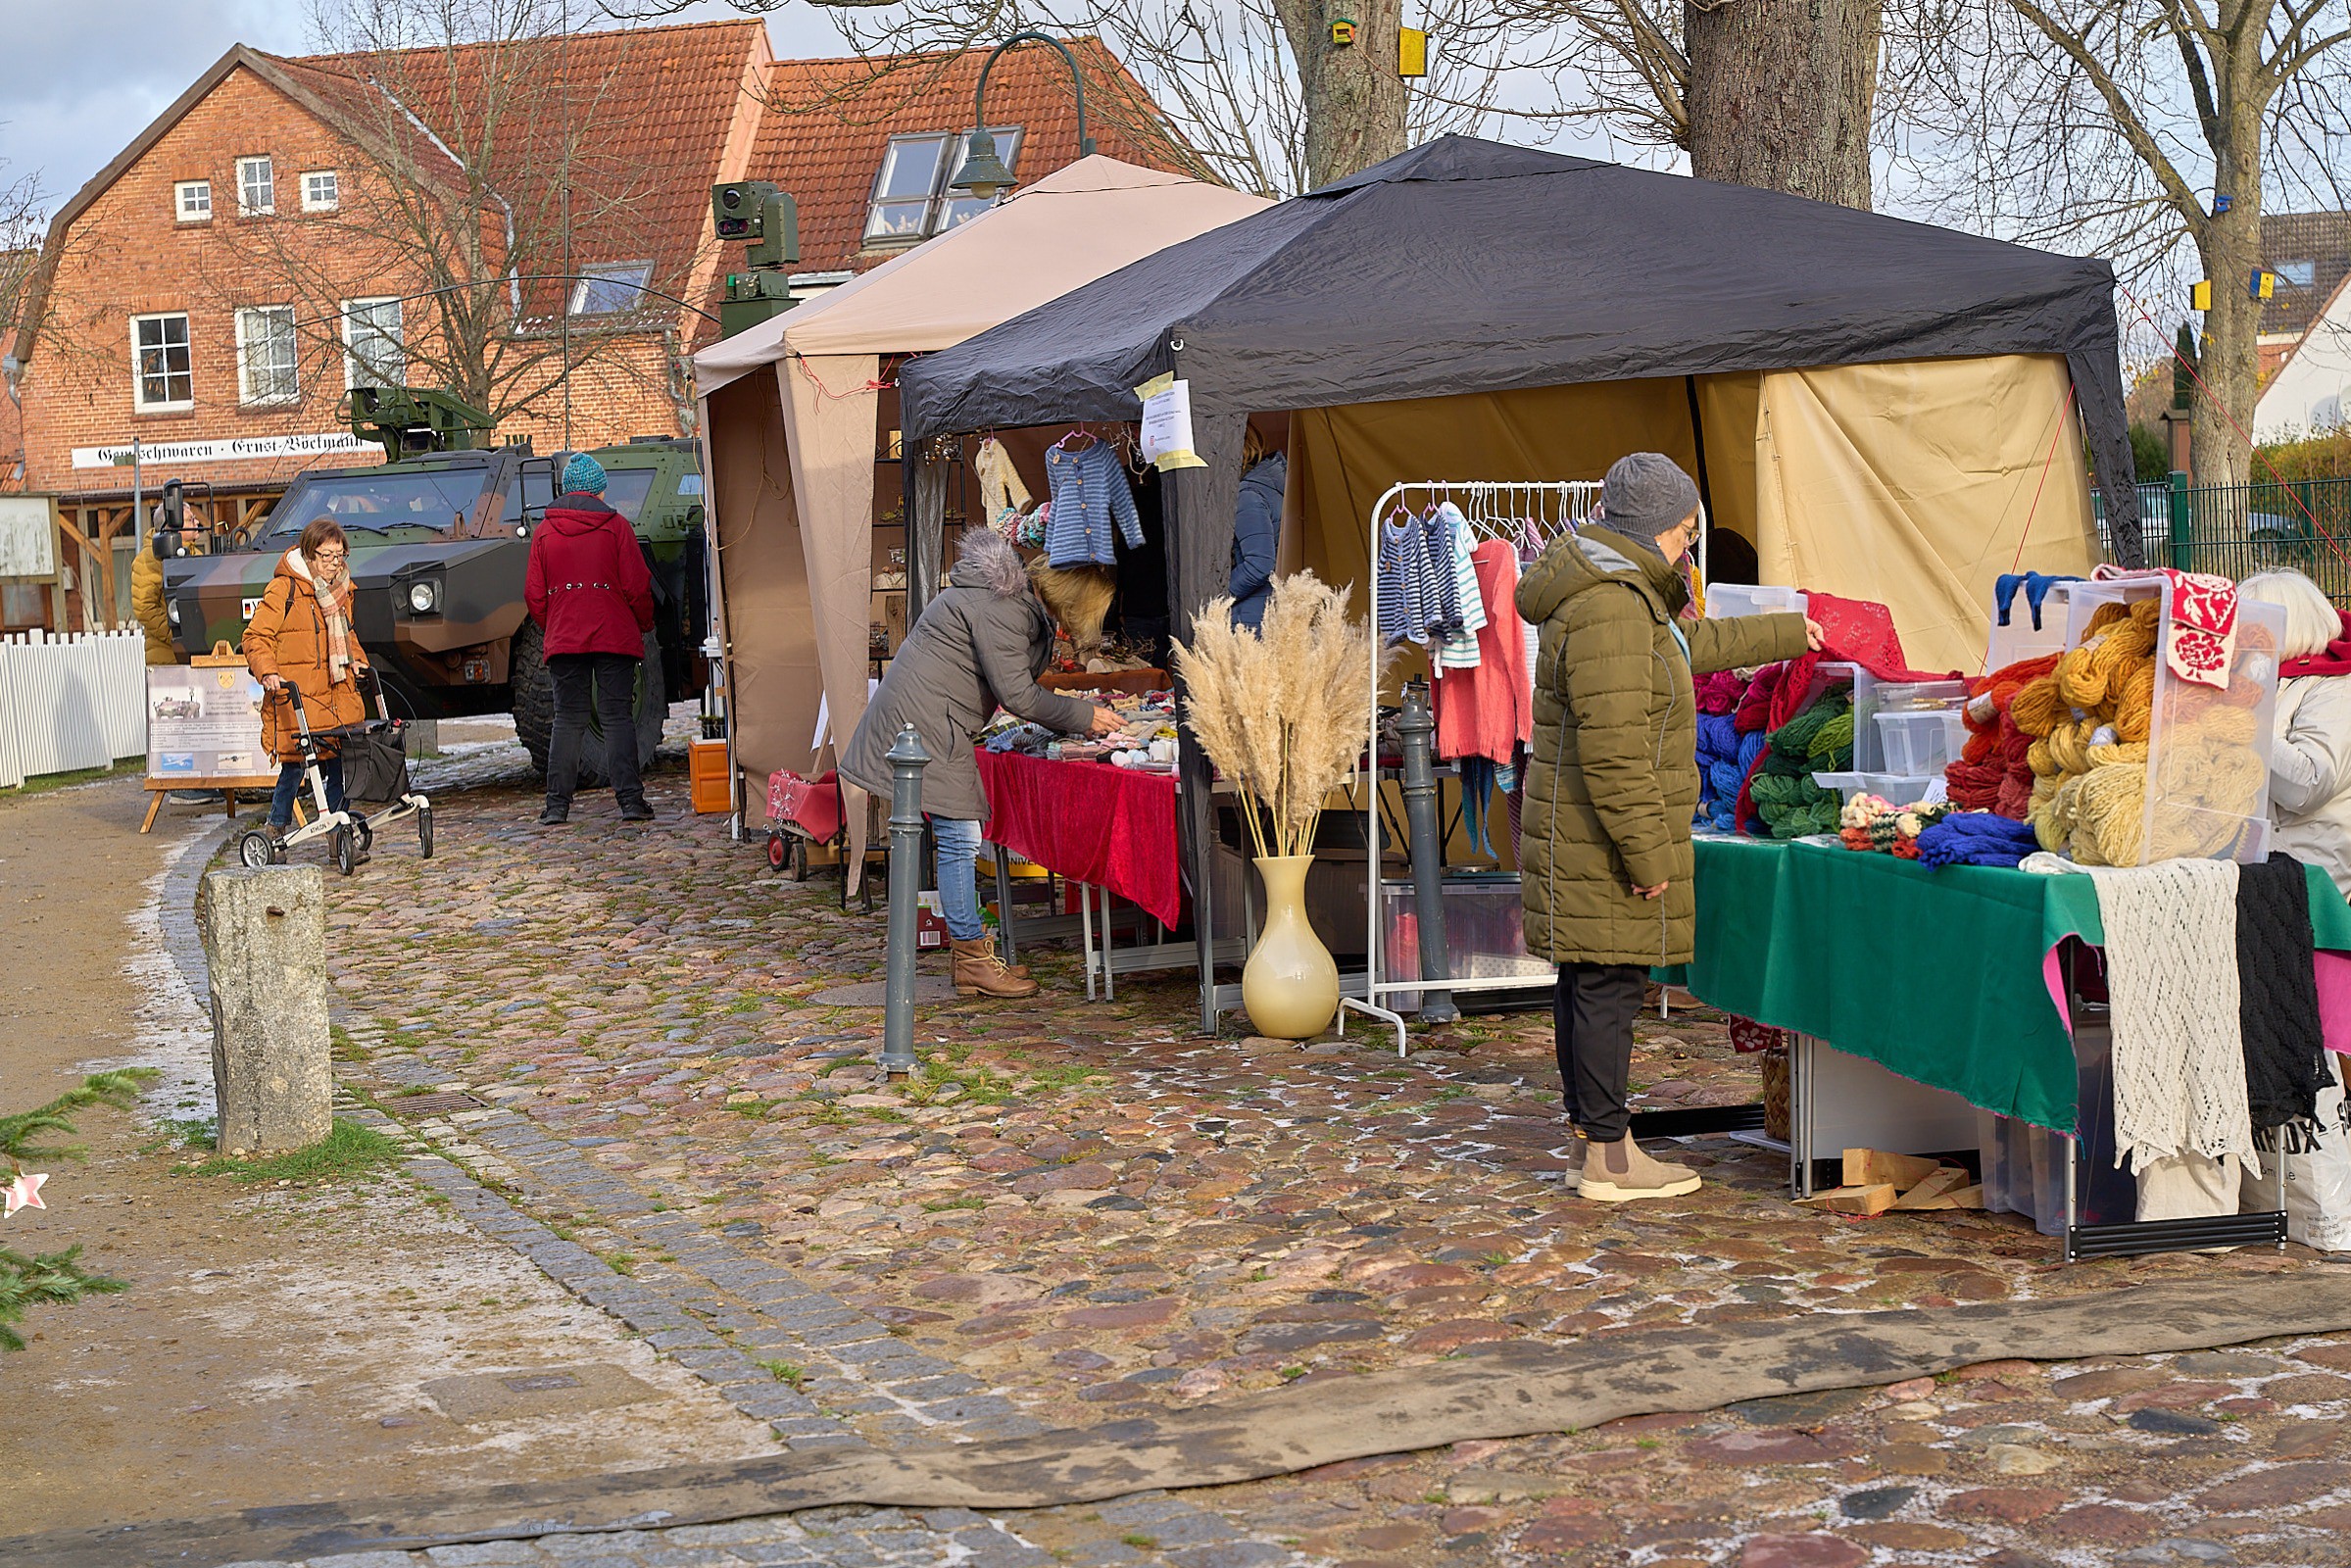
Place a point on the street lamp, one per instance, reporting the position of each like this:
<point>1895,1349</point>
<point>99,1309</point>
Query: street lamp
<point>984,173</point>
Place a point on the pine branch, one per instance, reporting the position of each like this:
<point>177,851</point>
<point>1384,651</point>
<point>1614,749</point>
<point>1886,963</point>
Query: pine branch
<point>44,1279</point>
<point>118,1089</point>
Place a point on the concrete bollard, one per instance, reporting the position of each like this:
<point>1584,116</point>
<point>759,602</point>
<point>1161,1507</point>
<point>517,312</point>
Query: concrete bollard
<point>907,760</point>
<point>264,947</point>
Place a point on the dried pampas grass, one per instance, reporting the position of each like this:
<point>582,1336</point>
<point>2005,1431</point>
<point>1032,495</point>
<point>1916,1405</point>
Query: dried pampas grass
<point>1282,711</point>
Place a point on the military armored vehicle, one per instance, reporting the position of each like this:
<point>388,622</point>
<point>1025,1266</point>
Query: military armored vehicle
<point>440,539</point>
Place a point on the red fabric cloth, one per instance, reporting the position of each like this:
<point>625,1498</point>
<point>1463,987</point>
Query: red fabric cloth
<point>2333,660</point>
<point>2201,634</point>
<point>1488,709</point>
<point>1113,827</point>
<point>587,584</point>
<point>810,804</point>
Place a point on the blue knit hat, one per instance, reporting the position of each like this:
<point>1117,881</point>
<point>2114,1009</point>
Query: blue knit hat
<point>583,474</point>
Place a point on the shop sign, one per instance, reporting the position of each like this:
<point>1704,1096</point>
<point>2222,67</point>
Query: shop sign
<point>230,449</point>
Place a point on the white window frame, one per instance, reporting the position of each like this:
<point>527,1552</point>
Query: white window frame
<point>2301,272</point>
<point>334,198</point>
<point>188,212</point>
<point>634,274</point>
<point>941,143</point>
<point>268,182</point>
<point>352,379</point>
<point>248,317</point>
<point>1009,140</point>
<point>138,370</point>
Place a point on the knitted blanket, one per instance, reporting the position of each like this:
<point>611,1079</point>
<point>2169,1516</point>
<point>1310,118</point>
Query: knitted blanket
<point>2172,976</point>
<point>2277,1010</point>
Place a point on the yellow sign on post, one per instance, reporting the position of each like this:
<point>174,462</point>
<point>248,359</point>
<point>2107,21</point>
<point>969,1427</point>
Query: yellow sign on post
<point>1413,52</point>
<point>2199,296</point>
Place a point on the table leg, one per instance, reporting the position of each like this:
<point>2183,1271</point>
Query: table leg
<point>2073,1204</point>
<point>1086,927</point>
<point>1799,1098</point>
<point>1003,905</point>
<point>155,804</point>
<point>1109,946</point>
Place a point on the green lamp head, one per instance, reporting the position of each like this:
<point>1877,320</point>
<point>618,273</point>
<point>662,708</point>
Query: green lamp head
<point>983,174</point>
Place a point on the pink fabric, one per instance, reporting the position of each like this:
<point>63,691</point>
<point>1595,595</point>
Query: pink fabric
<point>2203,628</point>
<point>2332,968</point>
<point>1111,827</point>
<point>1486,709</point>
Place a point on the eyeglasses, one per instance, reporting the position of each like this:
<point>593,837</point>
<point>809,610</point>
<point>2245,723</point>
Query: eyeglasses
<point>331,555</point>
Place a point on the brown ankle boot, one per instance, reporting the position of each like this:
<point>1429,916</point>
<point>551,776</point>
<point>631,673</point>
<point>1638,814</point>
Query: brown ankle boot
<point>980,972</point>
<point>1619,1172</point>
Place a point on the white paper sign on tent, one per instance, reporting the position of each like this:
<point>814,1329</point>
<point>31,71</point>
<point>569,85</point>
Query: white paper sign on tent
<point>1167,424</point>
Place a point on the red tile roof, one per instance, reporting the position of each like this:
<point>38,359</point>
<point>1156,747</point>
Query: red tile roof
<point>828,122</point>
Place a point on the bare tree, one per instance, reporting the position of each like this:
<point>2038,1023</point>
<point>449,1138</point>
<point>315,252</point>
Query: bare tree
<point>476,131</point>
<point>2134,129</point>
<point>1253,92</point>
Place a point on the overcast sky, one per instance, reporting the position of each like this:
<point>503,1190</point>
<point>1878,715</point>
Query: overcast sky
<point>84,77</point>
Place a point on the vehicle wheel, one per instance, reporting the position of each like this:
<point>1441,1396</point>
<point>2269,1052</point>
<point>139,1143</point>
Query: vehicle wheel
<point>341,844</point>
<point>424,832</point>
<point>775,852</point>
<point>534,706</point>
<point>799,859</point>
<point>255,849</point>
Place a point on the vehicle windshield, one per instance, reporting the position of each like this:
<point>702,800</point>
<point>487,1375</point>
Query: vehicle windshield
<point>625,490</point>
<point>405,506</point>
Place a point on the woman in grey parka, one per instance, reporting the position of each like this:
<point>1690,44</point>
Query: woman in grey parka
<point>979,645</point>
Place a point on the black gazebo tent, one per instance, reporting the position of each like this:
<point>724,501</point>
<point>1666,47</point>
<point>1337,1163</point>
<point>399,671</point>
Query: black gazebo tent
<point>1471,267</point>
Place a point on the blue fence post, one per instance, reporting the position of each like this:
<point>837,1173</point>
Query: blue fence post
<point>2183,535</point>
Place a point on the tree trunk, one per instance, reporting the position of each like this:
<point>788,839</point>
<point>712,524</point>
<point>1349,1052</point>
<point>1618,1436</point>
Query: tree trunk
<point>1354,99</point>
<point>1780,94</point>
<point>2229,246</point>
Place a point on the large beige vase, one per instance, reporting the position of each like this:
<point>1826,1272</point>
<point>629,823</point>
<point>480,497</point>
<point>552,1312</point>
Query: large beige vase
<point>1291,984</point>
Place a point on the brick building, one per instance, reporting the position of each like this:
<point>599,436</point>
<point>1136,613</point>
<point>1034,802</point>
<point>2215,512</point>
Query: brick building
<point>291,228</point>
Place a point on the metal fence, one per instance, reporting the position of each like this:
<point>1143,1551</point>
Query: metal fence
<point>2234,530</point>
<point>71,703</point>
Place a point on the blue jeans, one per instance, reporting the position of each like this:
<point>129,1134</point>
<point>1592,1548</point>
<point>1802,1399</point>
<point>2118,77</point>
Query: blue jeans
<point>959,878</point>
<point>289,784</point>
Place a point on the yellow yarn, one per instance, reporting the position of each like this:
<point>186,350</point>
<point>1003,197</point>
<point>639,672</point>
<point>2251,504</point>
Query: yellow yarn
<point>2118,752</point>
<point>2134,706</point>
<point>2108,808</point>
<point>2037,707</point>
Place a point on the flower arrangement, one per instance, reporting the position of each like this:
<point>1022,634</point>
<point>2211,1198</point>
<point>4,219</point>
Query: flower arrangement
<point>1281,712</point>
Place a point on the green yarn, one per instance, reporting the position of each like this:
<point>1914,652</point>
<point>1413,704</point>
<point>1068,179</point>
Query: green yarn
<point>1818,739</point>
<point>1835,735</point>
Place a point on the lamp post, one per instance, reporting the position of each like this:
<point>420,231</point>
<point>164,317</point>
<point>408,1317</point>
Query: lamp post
<point>984,173</point>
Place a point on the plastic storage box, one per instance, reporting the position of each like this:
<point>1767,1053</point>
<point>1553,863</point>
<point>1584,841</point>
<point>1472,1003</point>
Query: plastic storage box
<point>2208,748</point>
<point>1485,931</point>
<point>2023,1170</point>
<point>1919,741</point>
<point>1902,789</point>
<point>1727,599</point>
<point>2019,639</point>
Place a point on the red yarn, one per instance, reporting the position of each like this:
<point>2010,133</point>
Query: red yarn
<point>1756,705</point>
<point>2016,795</point>
<point>1719,692</point>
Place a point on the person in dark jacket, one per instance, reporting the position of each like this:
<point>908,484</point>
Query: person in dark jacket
<point>1256,529</point>
<point>590,591</point>
<point>1604,844</point>
<point>978,646</point>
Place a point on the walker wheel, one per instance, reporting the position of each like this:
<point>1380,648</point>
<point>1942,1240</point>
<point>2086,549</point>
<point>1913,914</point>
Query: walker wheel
<point>257,850</point>
<point>342,845</point>
<point>799,859</point>
<point>775,852</point>
<point>366,833</point>
<point>424,831</point>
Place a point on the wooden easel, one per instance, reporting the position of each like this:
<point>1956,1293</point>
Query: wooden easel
<point>256,784</point>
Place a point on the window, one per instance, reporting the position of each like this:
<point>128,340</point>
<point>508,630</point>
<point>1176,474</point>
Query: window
<point>162,380</point>
<point>610,288</point>
<point>960,206</point>
<point>321,191</point>
<point>372,355</point>
<point>192,201</point>
<point>257,187</point>
<point>269,361</point>
<point>2302,274</point>
<point>903,190</point>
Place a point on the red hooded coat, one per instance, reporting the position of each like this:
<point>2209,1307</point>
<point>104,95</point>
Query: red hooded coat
<point>588,586</point>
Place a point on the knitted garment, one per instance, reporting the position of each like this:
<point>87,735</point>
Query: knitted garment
<point>1003,499</point>
<point>2277,1010</point>
<point>1488,708</point>
<point>2201,635</point>
<point>1458,648</point>
<point>2179,1047</point>
<point>1405,580</point>
<point>1976,838</point>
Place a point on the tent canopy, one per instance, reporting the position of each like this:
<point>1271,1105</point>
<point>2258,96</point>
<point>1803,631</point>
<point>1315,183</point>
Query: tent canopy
<point>1076,224</point>
<point>1469,266</point>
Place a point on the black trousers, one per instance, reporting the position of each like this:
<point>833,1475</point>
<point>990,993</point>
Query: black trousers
<point>613,677</point>
<point>1591,1020</point>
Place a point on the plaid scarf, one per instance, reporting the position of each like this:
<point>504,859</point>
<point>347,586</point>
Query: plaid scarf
<point>334,605</point>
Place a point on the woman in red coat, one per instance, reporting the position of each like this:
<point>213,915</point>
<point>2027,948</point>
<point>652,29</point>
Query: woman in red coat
<point>592,595</point>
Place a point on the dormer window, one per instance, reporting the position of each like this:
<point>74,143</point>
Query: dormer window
<point>257,187</point>
<point>2300,274</point>
<point>610,288</point>
<point>910,200</point>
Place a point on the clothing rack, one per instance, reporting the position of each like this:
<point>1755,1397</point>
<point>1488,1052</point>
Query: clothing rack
<point>1493,509</point>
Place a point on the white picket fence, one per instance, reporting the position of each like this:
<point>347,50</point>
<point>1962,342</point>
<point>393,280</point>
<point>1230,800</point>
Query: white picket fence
<point>71,703</point>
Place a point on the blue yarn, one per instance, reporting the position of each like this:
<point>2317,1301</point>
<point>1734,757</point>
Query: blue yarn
<point>1750,747</point>
<point>1717,736</point>
<point>1976,838</point>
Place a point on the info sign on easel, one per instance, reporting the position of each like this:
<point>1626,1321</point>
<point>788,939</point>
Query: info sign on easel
<point>204,730</point>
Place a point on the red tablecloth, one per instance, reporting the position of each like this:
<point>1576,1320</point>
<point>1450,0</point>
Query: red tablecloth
<point>1109,826</point>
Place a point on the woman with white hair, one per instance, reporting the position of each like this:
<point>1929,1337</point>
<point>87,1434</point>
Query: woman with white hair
<point>980,645</point>
<point>2310,764</point>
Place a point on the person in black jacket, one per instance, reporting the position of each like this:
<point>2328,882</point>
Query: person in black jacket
<point>1256,529</point>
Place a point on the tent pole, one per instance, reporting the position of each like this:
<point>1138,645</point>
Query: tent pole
<point>1698,441</point>
<point>1199,566</point>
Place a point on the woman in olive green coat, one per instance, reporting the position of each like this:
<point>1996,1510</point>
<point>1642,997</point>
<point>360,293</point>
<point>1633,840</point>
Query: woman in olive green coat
<point>1604,837</point>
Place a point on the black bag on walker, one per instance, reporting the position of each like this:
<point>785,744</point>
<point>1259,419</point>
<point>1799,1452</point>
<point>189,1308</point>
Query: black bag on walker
<point>376,760</point>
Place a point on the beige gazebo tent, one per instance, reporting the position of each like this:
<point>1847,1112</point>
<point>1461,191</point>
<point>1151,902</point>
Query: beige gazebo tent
<point>793,413</point>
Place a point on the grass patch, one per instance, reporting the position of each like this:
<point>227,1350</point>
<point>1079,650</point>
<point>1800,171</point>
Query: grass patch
<point>83,775</point>
<point>188,1132</point>
<point>348,1152</point>
<point>790,1373</point>
<point>1139,1541</point>
<point>622,1263</point>
<point>967,1200</point>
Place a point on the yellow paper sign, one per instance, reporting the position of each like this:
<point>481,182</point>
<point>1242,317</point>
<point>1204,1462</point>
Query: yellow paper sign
<point>1167,424</point>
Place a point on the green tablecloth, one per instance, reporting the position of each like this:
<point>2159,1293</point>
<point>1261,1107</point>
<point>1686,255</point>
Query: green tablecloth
<point>1933,974</point>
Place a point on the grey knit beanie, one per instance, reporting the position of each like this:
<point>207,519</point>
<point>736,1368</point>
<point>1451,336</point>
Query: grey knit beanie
<point>1644,494</point>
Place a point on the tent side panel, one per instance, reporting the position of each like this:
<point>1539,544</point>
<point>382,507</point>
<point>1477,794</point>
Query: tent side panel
<point>829,411</point>
<point>1729,406</point>
<point>771,640</point>
<point>1914,484</point>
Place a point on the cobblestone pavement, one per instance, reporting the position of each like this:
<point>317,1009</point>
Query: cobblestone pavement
<point>1077,1211</point>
